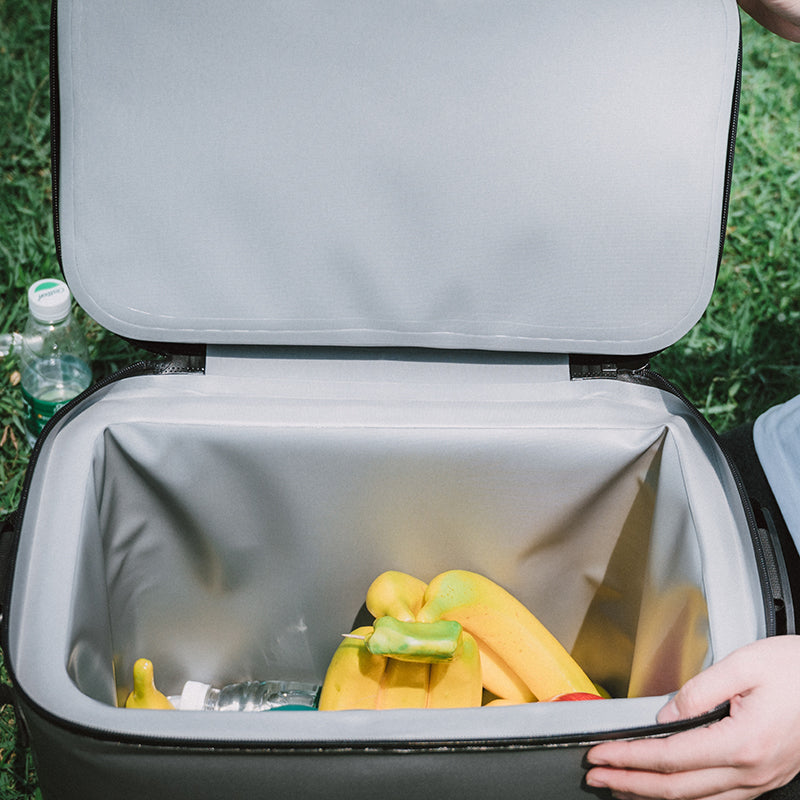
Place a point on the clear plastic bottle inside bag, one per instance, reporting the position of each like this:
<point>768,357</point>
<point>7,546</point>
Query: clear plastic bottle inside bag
<point>247,696</point>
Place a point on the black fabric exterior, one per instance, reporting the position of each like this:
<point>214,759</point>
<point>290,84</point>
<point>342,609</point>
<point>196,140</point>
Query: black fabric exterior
<point>7,531</point>
<point>739,445</point>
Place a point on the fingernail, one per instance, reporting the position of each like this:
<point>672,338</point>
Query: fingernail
<point>595,759</point>
<point>669,713</point>
<point>595,782</point>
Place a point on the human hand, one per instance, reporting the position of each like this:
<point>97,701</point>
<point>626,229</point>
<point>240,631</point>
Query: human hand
<point>755,749</point>
<point>779,16</point>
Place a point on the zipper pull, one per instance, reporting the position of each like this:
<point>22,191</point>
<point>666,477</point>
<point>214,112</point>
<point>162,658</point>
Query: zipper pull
<point>585,367</point>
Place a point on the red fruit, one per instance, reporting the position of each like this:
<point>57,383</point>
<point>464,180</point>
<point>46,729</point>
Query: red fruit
<point>574,696</point>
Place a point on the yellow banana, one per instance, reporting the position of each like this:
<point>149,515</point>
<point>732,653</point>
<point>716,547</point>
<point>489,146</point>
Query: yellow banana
<point>404,685</point>
<point>145,694</point>
<point>500,701</point>
<point>354,675</point>
<point>358,679</point>
<point>422,677</point>
<point>500,679</point>
<point>457,683</point>
<point>395,594</point>
<point>500,622</point>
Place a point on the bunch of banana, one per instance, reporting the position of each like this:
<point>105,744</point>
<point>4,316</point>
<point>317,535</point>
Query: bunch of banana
<point>521,660</point>
<point>400,662</point>
<point>502,647</point>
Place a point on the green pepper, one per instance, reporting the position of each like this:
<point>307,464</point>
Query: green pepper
<point>414,641</point>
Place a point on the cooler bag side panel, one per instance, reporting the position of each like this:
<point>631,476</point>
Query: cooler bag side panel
<point>72,766</point>
<point>75,766</point>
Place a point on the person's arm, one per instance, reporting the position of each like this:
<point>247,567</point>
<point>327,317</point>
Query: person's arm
<point>755,749</point>
<point>779,16</point>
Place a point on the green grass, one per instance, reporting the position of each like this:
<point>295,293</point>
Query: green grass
<point>743,356</point>
<point>26,227</point>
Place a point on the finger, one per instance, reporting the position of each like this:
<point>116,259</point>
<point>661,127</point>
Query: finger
<point>720,784</point>
<point>710,746</point>
<point>712,687</point>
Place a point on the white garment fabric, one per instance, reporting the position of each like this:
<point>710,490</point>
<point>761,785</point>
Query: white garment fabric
<point>776,435</point>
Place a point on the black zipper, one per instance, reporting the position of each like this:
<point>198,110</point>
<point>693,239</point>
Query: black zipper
<point>55,122</point>
<point>376,746</point>
<point>734,123</point>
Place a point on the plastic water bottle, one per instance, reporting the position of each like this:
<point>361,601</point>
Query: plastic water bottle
<point>8,341</point>
<point>248,696</point>
<point>54,358</point>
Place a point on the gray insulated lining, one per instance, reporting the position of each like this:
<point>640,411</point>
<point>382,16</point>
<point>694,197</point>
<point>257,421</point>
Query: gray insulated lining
<point>241,544</point>
<point>506,175</point>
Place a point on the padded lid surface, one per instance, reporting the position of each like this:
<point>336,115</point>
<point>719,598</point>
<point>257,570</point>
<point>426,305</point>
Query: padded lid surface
<point>500,174</point>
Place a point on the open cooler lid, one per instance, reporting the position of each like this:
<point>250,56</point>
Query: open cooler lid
<point>511,175</point>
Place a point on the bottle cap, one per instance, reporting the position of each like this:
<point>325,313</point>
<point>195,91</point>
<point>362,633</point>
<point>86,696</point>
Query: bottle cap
<point>193,696</point>
<point>49,300</point>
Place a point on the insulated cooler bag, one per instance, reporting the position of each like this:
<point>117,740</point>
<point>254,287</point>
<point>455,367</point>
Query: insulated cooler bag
<point>411,258</point>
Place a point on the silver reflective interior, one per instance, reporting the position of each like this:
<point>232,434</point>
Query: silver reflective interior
<point>229,550</point>
<point>438,174</point>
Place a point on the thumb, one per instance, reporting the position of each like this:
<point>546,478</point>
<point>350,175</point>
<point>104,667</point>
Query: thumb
<point>710,688</point>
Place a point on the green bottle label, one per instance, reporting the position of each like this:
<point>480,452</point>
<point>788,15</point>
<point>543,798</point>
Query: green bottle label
<point>39,410</point>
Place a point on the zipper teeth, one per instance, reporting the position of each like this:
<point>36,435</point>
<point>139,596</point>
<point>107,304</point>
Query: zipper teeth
<point>376,745</point>
<point>737,90</point>
<point>55,115</point>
